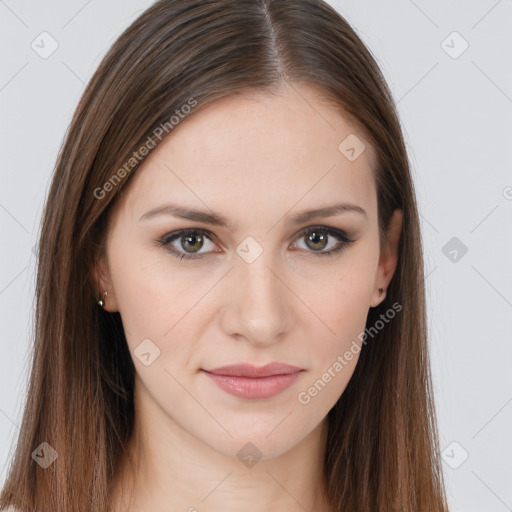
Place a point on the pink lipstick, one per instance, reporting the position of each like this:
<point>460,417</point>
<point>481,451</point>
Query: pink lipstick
<point>252,382</point>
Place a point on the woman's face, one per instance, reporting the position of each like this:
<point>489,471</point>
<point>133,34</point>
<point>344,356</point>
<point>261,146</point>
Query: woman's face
<point>260,281</point>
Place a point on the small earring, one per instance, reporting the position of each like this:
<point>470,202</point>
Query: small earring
<point>101,302</point>
<point>380,291</point>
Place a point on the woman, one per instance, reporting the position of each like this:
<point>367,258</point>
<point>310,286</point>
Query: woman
<point>230,296</point>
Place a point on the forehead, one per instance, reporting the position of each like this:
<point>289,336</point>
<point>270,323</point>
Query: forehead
<point>292,120</point>
<point>280,147</point>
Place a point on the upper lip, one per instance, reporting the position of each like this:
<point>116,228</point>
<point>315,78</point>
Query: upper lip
<point>249,370</point>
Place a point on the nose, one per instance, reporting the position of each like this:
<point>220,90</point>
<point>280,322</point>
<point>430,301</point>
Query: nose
<point>258,306</point>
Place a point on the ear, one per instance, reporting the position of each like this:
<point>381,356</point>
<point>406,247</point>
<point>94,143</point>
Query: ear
<point>103,283</point>
<point>388,258</point>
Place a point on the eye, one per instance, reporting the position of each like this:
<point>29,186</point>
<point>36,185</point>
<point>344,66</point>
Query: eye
<point>318,238</point>
<point>187,243</point>
<point>191,240</point>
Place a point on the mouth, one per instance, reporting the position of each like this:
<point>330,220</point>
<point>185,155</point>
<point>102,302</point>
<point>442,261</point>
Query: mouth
<point>252,382</point>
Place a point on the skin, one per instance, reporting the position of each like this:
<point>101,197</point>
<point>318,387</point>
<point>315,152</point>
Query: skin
<point>288,305</point>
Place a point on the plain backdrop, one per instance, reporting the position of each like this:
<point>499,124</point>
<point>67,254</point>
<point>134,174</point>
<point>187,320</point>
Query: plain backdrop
<point>448,66</point>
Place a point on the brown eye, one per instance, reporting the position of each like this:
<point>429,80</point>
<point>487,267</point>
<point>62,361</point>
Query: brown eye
<point>191,242</point>
<point>316,240</point>
<point>313,240</point>
<point>187,243</point>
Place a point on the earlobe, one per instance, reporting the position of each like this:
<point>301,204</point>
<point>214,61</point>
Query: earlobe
<point>381,295</point>
<point>104,292</point>
<point>102,301</point>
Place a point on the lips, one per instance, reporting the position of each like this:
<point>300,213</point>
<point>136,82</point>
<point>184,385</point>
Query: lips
<point>248,370</point>
<point>252,382</point>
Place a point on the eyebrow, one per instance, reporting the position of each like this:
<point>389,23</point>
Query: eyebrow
<point>216,219</point>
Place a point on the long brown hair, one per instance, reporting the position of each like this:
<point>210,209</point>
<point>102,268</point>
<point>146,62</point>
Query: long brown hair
<point>382,449</point>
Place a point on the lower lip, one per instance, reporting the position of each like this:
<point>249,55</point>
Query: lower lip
<point>253,387</point>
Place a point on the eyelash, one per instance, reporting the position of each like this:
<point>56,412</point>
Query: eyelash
<point>166,240</point>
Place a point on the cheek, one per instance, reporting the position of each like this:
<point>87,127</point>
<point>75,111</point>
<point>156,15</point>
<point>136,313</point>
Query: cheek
<point>144,290</point>
<point>342,305</point>
<point>335,354</point>
<point>342,300</point>
<point>345,315</point>
<point>160,303</point>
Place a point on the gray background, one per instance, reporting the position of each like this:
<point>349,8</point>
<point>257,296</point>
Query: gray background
<point>455,109</point>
